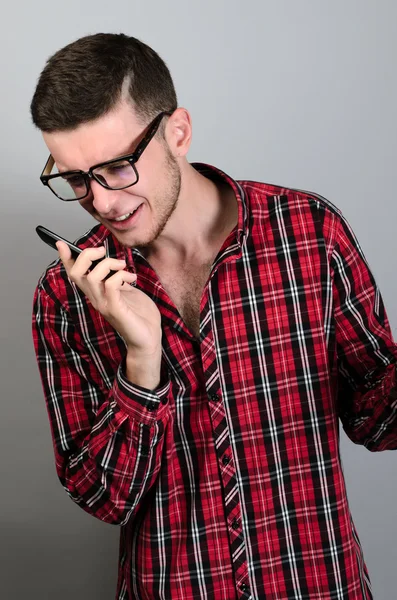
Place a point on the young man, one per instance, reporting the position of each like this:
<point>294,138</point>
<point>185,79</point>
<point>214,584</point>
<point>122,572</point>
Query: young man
<point>198,407</point>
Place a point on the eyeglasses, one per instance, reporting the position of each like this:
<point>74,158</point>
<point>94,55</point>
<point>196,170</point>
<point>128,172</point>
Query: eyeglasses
<point>116,174</point>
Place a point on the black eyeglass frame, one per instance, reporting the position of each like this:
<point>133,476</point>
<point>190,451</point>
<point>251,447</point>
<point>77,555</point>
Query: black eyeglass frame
<point>132,158</point>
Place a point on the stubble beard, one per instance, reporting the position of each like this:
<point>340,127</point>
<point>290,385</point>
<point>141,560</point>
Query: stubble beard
<point>165,202</point>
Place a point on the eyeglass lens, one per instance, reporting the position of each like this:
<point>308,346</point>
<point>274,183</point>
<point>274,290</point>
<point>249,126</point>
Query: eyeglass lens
<point>117,175</point>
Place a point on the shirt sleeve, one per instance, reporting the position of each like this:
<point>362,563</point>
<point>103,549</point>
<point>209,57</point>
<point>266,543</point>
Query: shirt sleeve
<point>366,352</point>
<point>107,441</point>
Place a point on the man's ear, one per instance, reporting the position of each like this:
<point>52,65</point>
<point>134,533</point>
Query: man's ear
<point>178,132</point>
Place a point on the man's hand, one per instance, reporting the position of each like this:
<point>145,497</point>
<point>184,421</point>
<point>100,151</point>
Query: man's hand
<point>131,312</point>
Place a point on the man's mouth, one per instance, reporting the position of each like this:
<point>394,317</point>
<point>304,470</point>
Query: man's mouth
<point>125,220</point>
<point>124,217</point>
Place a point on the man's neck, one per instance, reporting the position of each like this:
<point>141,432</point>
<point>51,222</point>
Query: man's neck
<point>205,215</point>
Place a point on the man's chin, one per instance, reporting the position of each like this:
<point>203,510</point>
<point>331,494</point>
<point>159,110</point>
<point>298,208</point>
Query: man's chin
<point>127,240</point>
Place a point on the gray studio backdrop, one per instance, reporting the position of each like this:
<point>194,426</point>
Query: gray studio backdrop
<point>300,93</point>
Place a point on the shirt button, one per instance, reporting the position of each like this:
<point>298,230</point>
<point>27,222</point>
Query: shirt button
<point>151,406</point>
<point>215,398</point>
<point>244,587</point>
<point>226,459</point>
<point>235,524</point>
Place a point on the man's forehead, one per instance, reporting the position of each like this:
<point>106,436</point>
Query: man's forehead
<point>110,136</point>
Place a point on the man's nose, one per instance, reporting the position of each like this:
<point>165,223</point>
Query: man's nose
<point>103,199</point>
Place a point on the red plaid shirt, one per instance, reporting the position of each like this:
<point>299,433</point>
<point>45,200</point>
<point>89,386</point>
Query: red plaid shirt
<point>227,480</point>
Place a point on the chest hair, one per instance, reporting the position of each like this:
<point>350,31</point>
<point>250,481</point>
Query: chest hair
<point>185,289</point>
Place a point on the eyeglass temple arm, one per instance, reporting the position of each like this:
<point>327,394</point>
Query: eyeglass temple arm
<point>48,166</point>
<point>150,133</point>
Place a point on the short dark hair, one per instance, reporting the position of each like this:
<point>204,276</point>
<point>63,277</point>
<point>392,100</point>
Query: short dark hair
<point>87,78</point>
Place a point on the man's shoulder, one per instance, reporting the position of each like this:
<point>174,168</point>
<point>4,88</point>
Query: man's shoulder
<point>260,192</point>
<point>278,207</point>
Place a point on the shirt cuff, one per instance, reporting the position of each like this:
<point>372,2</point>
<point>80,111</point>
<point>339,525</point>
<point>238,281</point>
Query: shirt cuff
<point>380,388</point>
<point>142,404</point>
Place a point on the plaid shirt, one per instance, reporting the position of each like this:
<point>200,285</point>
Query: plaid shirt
<point>227,479</point>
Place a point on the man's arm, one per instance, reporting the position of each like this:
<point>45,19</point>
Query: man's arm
<point>367,354</point>
<point>107,441</point>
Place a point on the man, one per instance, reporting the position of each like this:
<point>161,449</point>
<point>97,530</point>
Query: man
<point>194,378</point>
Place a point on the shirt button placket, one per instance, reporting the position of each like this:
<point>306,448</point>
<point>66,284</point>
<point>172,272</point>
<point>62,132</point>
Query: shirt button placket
<point>235,524</point>
<point>245,588</point>
<point>226,459</point>
<point>230,488</point>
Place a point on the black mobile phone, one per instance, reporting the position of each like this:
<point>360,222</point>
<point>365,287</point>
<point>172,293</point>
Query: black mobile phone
<point>49,237</point>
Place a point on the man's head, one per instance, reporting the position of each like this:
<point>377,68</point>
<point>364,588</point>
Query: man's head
<point>95,101</point>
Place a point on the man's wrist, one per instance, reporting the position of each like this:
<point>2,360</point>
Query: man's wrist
<point>144,369</point>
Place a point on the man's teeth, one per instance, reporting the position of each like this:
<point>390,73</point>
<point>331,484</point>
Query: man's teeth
<point>124,217</point>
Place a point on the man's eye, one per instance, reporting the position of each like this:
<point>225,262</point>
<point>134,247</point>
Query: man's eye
<point>118,167</point>
<point>75,181</point>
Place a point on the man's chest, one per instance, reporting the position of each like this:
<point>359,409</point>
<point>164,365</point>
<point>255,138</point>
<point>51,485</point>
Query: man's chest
<point>185,288</point>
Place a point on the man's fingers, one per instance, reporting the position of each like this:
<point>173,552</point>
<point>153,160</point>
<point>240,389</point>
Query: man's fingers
<point>84,262</point>
<point>107,299</point>
<point>64,251</point>
<point>120,281</point>
<point>65,255</point>
<point>106,265</point>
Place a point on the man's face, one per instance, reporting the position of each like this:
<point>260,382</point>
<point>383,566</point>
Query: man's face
<point>157,191</point>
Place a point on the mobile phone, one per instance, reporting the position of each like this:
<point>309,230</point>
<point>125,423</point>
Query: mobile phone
<point>50,238</point>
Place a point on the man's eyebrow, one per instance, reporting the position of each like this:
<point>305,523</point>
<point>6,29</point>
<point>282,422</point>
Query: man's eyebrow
<point>129,150</point>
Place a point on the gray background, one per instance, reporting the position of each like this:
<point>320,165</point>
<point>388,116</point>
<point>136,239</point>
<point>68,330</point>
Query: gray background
<point>301,94</point>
